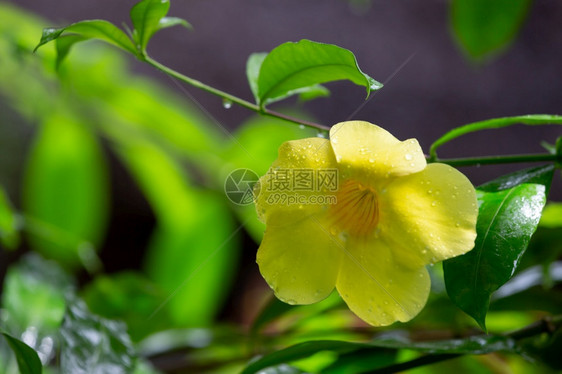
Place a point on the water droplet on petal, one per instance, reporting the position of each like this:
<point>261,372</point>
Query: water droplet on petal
<point>338,158</point>
<point>434,203</point>
<point>371,160</point>
<point>408,156</point>
<point>334,140</point>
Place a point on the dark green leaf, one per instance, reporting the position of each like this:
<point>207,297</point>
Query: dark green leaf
<point>94,345</point>
<point>538,175</point>
<point>471,345</point>
<point>9,234</point>
<point>26,357</point>
<point>292,67</point>
<point>361,361</point>
<point>495,123</point>
<point>483,27</point>
<point>146,16</point>
<point>506,221</point>
<point>65,191</point>
<point>91,29</point>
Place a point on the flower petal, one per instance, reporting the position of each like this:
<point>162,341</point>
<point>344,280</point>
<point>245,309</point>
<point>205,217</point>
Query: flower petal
<point>378,289</point>
<point>281,198</point>
<point>429,216</point>
<point>300,261</point>
<point>370,150</point>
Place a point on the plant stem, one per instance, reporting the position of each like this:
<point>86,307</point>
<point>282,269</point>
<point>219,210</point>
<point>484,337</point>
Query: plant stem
<point>546,325</point>
<point>491,160</point>
<point>231,98</point>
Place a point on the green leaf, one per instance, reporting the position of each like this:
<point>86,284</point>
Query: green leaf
<point>64,44</point>
<point>552,216</point>
<point>538,175</point>
<point>66,191</point>
<point>9,234</point>
<point>146,16</point>
<point>192,250</point>
<point>506,221</point>
<point>292,67</point>
<point>94,345</point>
<point>272,310</point>
<point>26,357</point>
<point>91,29</point>
<point>253,67</point>
<point>313,92</point>
<point>471,345</point>
<point>166,22</point>
<point>495,123</point>
<point>483,27</point>
<point>130,297</point>
<point>33,296</point>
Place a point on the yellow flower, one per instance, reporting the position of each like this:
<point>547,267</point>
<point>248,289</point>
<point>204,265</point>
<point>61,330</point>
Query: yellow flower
<point>373,233</point>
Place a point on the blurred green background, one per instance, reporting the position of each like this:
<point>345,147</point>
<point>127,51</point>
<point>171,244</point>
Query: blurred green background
<point>116,173</point>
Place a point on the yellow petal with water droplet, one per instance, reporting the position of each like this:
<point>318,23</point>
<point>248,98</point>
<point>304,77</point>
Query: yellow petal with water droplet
<point>284,192</point>
<point>300,261</point>
<point>429,216</point>
<point>377,288</point>
<point>373,152</point>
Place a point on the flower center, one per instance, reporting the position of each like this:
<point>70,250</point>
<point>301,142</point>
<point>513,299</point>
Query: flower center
<point>356,210</point>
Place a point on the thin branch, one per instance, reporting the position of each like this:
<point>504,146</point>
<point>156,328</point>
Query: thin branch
<point>231,98</point>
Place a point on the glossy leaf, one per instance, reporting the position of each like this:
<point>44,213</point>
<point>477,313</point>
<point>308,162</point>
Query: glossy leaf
<point>192,250</point>
<point>292,67</point>
<point>91,29</point>
<point>94,345</point>
<point>66,190</point>
<point>33,295</point>
<point>26,357</point>
<point>146,16</point>
<point>471,345</point>
<point>9,234</point>
<point>538,175</point>
<point>506,221</point>
<point>33,303</point>
<point>495,123</point>
<point>483,27</point>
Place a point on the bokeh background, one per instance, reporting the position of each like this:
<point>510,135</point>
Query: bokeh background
<point>431,86</point>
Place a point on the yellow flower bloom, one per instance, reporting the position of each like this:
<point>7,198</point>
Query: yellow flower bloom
<point>372,235</point>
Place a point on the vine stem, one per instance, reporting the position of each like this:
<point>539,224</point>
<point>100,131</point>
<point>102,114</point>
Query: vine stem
<point>231,98</point>
<point>491,160</point>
